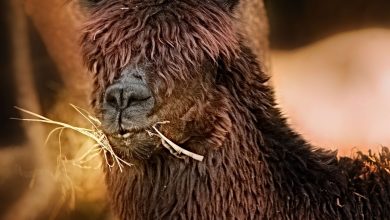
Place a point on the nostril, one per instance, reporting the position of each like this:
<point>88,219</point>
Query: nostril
<point>114,97</point>
<point>136,95</point>
<point>137,101</point>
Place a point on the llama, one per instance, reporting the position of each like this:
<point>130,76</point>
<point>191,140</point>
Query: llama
<point>186,62</point>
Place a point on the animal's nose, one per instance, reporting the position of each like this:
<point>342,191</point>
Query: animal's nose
<point>128,95</point>
<point>127,102</point>
<point>124,94</point>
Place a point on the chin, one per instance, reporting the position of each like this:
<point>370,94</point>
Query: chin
<point>134,147</point>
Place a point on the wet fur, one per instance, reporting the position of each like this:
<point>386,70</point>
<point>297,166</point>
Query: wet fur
<point>255,166</point>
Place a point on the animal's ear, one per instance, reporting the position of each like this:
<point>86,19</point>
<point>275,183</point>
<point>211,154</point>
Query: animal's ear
<point>229,4</point>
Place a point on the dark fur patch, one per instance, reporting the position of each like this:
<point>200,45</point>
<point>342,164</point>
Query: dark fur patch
<point>179,34</point>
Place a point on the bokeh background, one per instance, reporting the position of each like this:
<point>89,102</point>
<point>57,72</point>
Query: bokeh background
<point>329,62</point>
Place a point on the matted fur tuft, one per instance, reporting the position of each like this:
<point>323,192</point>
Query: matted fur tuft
<point>180,34</point>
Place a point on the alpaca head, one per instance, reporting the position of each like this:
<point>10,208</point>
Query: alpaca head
<point>160,60</point>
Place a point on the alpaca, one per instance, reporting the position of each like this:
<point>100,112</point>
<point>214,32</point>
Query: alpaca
<point>186,62</point>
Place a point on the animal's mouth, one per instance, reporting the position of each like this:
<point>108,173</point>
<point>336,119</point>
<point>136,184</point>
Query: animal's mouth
<point>134,139</point>
<point>133,145</point>
<point>124,136</point>
<point>124,133</point>
<point>143,143</point>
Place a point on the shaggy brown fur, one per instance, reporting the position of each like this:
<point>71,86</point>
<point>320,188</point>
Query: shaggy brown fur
<point>209,85</point>
<point>178,35</point>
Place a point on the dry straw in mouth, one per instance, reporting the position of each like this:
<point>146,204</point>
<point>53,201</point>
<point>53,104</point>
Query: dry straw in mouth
<point>102,142</point>
<point>94,133</point>
<point>171,146</point>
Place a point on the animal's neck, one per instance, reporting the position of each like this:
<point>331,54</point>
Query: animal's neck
<point>228,184</point>
<point>293,172</point>
<point>263,169</point>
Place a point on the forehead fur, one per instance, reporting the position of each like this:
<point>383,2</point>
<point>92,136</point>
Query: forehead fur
<point>172,36</point>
